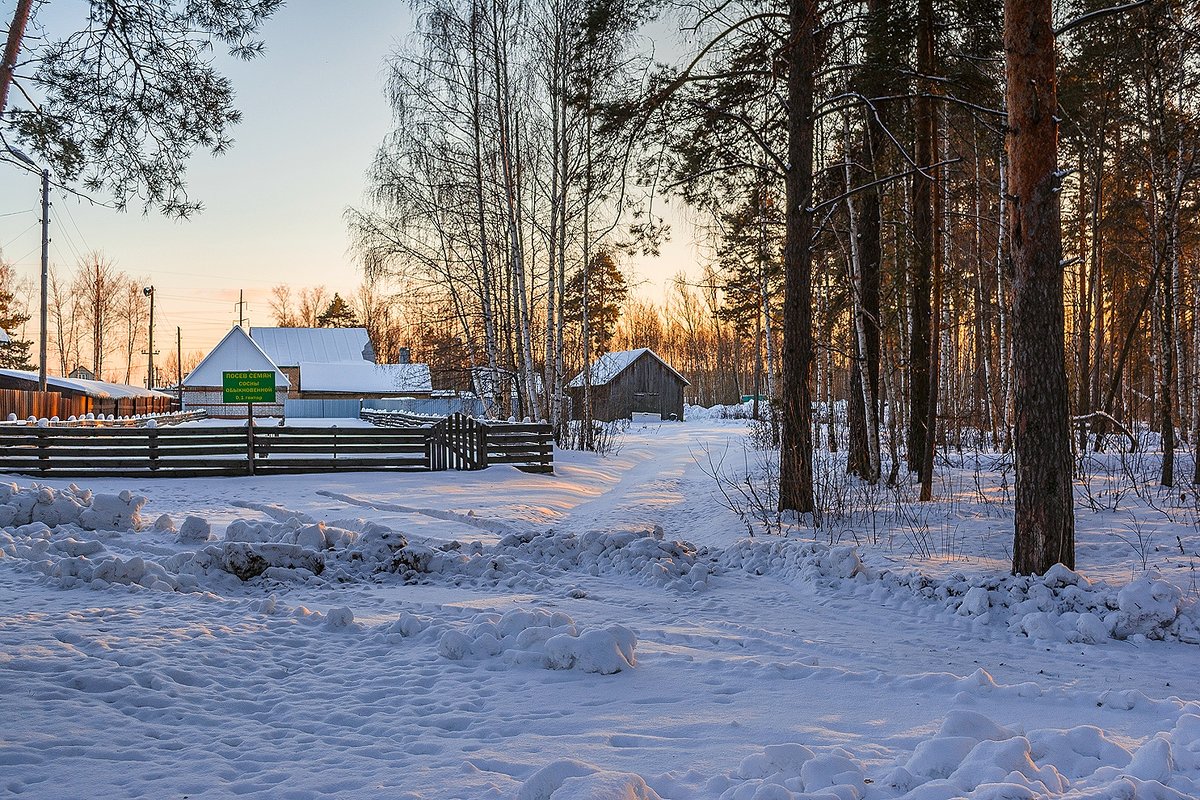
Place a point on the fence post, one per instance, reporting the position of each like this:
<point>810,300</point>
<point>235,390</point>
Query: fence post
<point>43,447</point>
<point>481,445</point>
<point>153,449</point>
<point>249,438</point>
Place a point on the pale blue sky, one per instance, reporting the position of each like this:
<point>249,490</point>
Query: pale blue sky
<point>313,114</point>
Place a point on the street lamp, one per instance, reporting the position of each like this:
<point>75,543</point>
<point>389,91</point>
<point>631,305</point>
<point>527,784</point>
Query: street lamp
<point>149,292</point>
<point>17,154</point>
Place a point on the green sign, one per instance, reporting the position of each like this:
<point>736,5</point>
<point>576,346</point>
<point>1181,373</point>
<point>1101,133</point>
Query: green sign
<point>248,387</point>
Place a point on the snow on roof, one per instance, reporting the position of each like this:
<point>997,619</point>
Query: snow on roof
<point>364,377</point>
<point>237,351</point>
<point>610,365</point>
<point>89,388</point>
<point>288,347</point>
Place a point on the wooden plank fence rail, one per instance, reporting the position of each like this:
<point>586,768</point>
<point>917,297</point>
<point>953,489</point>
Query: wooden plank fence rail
<point>458,443</point>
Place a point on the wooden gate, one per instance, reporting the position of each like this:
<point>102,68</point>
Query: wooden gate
<point>457,442</point>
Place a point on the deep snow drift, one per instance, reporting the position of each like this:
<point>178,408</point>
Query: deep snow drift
<point>606,632</point>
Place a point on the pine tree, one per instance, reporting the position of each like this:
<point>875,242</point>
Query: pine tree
<point>1045,518</point>
<point>124,101</point>
<point>338,314</point>
<point>606,296</point>
<point>14,353</point>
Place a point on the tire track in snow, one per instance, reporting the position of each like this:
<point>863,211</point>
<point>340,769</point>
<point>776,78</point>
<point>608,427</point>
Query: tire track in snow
<point>489,525</point>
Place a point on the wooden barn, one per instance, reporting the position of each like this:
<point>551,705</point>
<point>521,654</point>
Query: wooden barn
<point>627,383</point>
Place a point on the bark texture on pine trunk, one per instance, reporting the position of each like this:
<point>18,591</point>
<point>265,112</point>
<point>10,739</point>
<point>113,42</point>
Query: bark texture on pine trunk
<point>922,248</point>
<point>796,438</point>
<point>1045,521</point>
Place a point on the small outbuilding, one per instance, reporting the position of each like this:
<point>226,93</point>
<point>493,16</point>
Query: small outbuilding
<point>630,382</point>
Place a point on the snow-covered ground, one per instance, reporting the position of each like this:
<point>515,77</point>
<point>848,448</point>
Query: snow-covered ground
<point>605,633</point>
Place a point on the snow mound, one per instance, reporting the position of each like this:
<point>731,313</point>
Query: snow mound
<point>536,637</point>
<point>70,506</point>
<point>530,558</point>
<point>1060,606</point>
<point>792,771</point>
<point>568,779</point>
<point>972,757</point>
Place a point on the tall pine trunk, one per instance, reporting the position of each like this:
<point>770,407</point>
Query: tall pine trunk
<point>795,458</point>
<point>1044,520</point>
<point>921,312</point>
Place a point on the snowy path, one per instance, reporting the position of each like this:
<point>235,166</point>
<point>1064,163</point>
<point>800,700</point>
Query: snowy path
<point>241,691</point>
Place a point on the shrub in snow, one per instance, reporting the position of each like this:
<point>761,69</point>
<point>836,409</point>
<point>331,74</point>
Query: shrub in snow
<point>194,530</point>
<point>249,560</point>
<point>1148,607</point>
<point>115,512</point>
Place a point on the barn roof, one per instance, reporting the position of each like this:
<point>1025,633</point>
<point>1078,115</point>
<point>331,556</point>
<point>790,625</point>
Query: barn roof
<point>101,389</point>
<point>364,377</point>
<point>237,351</point>
<point>289,347</point>
<point>610,365</point>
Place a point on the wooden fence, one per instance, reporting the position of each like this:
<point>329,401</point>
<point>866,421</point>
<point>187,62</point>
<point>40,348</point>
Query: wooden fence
<point>47,405</point>
<point>460,443</point>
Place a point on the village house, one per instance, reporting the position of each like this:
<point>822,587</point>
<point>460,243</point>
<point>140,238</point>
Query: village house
<point>237,352</point>
<point>310,364</point>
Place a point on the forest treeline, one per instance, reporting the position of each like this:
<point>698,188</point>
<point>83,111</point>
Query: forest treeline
<point>530,141</point>
<point>951,214</point>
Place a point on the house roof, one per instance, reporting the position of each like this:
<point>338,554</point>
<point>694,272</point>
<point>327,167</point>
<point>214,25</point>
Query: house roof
<point>289,347</point>
<point>102,389</point>
<point>237,351</point>
<point>364,377</point>
<point>610,365</point>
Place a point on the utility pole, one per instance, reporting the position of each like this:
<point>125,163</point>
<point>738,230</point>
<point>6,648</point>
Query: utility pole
<point>241,307</point>
<point>42,342</point>
<point>179,364</point>
<point>149,292</point>
<point>29,162</point>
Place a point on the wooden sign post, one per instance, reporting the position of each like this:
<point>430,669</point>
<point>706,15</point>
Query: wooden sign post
<point>248,387</point>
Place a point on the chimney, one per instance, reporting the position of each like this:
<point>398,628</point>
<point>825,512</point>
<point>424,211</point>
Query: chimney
<point>403,355</point>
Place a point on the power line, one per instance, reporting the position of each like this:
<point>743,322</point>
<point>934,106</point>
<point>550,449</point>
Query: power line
<point>22,233</point>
